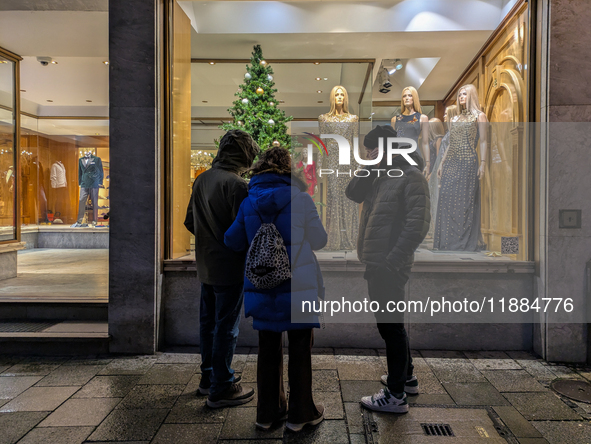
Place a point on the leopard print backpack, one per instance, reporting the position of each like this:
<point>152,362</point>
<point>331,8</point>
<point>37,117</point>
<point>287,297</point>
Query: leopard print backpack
<point>267,261</point>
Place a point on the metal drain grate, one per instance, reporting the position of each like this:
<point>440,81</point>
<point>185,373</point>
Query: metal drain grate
<point>24,327</point>
<point>437,429</point>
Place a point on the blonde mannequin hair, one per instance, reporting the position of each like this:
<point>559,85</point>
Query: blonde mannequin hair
<point>435,128</point>
<point>472,102</point>
<point>333,105</point>
<point>416,103</point>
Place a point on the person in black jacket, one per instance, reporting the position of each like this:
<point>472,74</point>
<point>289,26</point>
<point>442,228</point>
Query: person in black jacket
<point>394,221</point>
<point>217,195</point>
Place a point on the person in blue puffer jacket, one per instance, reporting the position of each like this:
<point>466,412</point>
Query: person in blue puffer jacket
<point>277,194</point>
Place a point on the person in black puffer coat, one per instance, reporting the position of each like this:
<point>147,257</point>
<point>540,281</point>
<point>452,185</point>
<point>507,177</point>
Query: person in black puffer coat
<point>394,221</point>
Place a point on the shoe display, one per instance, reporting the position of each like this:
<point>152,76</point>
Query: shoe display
<point>204,386</point>
<point>384,401</point>
<point>411,386</point>
<point>297,427</point>
<point>268,425</point>
<point>232,396</point>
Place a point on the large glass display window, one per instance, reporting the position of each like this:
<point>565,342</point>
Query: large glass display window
<point>459,93</point>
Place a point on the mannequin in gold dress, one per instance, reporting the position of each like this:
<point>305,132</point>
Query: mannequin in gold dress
<point>342,214</point>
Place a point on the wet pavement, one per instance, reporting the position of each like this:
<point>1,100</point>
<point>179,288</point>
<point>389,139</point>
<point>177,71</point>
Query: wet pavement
<point>488,397</point>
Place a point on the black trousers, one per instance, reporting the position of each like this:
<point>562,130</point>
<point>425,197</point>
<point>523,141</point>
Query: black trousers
<point>272,404</point>
<point>385,286</point>
<point>84,193</point>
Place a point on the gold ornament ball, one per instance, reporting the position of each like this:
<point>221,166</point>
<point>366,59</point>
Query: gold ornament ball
<point>260,90</point>
<point>240,123</point>
<point>271,103</point>
<point>263,63</point>
<point>276,143</point>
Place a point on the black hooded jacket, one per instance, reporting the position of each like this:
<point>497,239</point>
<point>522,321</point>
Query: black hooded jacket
<point>217,195</point>
<point>395,216</point>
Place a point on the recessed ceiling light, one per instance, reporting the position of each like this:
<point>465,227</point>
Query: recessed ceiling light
<point>318,78</point>
<point>23,90</point>
<point>54,62</point>
<point>282,101</point>
<point>319,92</point>
<point>321,101</point>
<point>326,78</point>
<point>204,101</point>
<point>97,134</point>
<point>49,100</point>
<point>106,62</point>
<point>89,101</point>
<point>316,63</point>
<point>212,63</point>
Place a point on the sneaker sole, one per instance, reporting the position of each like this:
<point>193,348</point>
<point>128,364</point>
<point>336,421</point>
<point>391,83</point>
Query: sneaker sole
<point>202,391</point>
<point>265,427</point>
<point>229,402</point>
<point>298,427</point>
<point>390,409</point>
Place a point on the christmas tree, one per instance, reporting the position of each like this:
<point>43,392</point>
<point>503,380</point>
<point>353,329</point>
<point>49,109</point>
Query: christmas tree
<point>255,110</point>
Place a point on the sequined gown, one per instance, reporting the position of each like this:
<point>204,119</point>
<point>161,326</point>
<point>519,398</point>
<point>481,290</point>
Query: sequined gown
<point>457,226</point>
<point>342,214</point>
<point>434,183</point>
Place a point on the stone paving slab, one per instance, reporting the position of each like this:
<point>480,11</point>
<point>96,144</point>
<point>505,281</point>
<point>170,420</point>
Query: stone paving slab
<point>187,434</point>
<point>325,381</point>
<point>333,404</point>
<point>541,406</point>
<point>474,393</point>
<point>127,425</point>
<point>431,399</point>
<point>565,432</point>
<point>69,376</point>
<point>57,435</point>
<point>81,412</point>
<point>333,432</point>
<point>455,370</point>
<point>16,425</point>
<point>532,441</point>
<point>108,387</point>
<point>239,424</point>
<point>151,396</point>
<point>428,383</point>
<point>168,374</point>
<point>128,366</point>
<point>39,399</point>
<point>12,386</point>
<point>518,425</point>
<point>191,409</point>
<point>513,381</point>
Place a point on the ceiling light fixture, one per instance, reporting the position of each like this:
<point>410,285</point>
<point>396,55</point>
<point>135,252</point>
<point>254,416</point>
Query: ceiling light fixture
<point>319,92</point>
<point>89,101</point>
<point>392,71</point>
<point>204,101</point>
<point>212,63</point>
<point>316,63</point>
<point>106,62</point>
<point>282,101</point>
<point>54,62</point>
<point>23,90</point>
<point>326,78</point>
<point>321,101</point>
<point>318,78</point>
<point>398,64</point>
<point>49,100</point>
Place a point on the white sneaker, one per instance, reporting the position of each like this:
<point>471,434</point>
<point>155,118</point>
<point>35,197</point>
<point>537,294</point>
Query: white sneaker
<point>411,386</point>
<point>384,401</point>
<point>297,427</point>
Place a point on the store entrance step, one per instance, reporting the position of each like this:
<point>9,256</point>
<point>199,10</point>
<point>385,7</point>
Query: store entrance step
<point>44,311</point>
<point>57,337</point>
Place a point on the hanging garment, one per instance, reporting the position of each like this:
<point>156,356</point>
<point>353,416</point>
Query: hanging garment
<point>57,175</point>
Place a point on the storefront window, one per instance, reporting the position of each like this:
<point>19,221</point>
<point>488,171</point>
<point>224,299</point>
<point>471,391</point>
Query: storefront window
<point>8,148</point>
<point>478,189</point>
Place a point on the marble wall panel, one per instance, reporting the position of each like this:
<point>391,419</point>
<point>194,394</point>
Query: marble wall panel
<point>77,240</point>
<point>569,52</point>
<point>8,265</point>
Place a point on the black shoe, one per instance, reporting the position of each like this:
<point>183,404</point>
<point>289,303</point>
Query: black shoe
<point>232,396</point>
<point>205,385</point>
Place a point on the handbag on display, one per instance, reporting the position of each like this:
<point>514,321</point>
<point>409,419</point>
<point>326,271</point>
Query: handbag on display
<point>57,218</point>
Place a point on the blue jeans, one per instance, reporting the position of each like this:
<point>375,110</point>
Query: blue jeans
<point>219,319</point>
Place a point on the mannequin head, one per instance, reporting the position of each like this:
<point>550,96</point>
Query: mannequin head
<point>435,129</point>
<point>449,112</point>
<point>410,100</point>
<point>339,100</point>
<point>467,98</point>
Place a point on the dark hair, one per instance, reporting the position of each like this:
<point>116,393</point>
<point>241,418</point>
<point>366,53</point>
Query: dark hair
<point>277,160</point>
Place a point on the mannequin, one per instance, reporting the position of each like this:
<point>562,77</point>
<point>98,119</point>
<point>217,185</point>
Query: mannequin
<point>411,123</point>
<point>342,214</point>
<point>433,178</point>
<point>90,178</point>
<point>458,211</point>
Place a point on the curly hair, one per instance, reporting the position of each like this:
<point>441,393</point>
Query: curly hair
<point>277,160</point>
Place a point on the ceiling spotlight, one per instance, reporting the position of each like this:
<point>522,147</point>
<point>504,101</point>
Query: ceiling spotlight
<point>321,101</point>
<point>49,100</point>
<point>89,101</point>
<point>23,90</point>
<point>204,101</point>
<point>398,64</point>
<point>319,92</point>
<point>54,62</point>
<point>392,71</point>
<point>106,62</point>
<point>318,78</point>
<point>316,63</point>
<point>326,78</point>
<point>212,63</point>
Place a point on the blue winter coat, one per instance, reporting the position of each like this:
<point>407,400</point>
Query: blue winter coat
<point>281,198</point>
